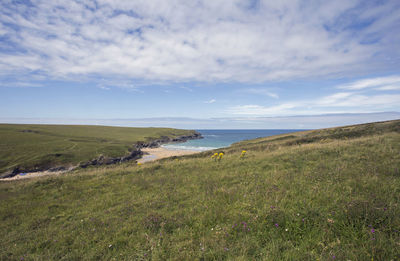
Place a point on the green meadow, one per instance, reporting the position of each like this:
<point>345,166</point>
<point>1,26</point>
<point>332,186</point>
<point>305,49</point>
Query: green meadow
<point>330,194</point>
<point>44,146</point>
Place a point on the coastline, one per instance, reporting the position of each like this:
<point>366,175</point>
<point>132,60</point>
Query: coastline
<point>30,175</point>
<point>150,155</point>
<point>143,152</point>
<point>153,154</point>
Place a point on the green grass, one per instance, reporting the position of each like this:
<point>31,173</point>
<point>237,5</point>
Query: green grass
<point>315,195</point>
<point>43,146</point>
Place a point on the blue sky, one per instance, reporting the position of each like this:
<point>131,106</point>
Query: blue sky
<point>200,62</point>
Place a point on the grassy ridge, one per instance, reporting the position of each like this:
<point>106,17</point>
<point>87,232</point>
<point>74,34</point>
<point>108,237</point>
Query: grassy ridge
<point>43,146</point>
<point>318,195</point>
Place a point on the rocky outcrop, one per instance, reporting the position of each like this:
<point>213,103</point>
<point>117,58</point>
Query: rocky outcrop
<point>18,170</point>
<point>163,140</point>
<point>10,173</point>
<point>135,153</point>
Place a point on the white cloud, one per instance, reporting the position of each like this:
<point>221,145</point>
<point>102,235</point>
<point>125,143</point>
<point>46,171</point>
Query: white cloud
<point>262,110</point>
<point>264,92</point>
<point>372,82</point>
<point>211,101</point>
<point>335,103</point>
<point>107,84</point>
<point>297,122</point>
<point>186,88</point>
<point>104,87</point>
<point>21,84</point>
<point>332,100</point>
<point>183,41</point>
<point>389,88</point>
<point>375,102</point>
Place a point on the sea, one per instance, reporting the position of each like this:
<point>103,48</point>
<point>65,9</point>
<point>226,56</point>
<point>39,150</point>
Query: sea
<point>214,139</point>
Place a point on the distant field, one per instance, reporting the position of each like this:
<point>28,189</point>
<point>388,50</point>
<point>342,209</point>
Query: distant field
<point>330,194</point>
<point>42,146</point>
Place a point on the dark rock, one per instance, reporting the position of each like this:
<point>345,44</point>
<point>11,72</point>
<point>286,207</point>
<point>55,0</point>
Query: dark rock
<point>58,169</point>
<point>101,160</point>
<point>29,131</point>
<point>135,153</point>
<point>156,143</point>
<point>7,174</point>
<point>109,161</point>
<point>11,173</point>
<point>84,165</point>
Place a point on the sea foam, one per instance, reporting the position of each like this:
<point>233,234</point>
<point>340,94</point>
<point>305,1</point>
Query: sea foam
<point>182,147</point>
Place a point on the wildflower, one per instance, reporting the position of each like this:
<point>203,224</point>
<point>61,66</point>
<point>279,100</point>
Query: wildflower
<point>220,155</point>
<point>243,154</point>
<point>139,163</point>
<point>276,225</point>
<point>372,230</point>
<point>215,155</point>
<point>286,229</point>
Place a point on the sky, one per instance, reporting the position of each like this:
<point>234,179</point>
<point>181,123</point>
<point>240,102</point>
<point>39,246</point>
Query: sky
<point>200,64</point>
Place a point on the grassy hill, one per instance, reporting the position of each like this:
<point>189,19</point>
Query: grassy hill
<point>43,146</point>
<point>329,194</point>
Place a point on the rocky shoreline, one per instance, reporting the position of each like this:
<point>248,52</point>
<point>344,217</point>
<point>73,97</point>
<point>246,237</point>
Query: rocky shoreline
<point>164,140</point>
<point>135,153</point>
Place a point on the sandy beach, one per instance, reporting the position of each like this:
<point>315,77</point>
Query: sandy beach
<point>160,153</point>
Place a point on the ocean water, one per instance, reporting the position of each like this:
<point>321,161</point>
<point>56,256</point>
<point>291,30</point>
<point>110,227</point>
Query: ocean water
<point>214,139</point>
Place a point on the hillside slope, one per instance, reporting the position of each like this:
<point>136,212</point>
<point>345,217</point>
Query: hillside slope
<point>38,147</point>
<point>316,195</point>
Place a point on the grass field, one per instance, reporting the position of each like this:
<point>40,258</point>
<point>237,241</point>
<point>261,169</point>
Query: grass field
<point>329,194</point>
<point>44,146</point>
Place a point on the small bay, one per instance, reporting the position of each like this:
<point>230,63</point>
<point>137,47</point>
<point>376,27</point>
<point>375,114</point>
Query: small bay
<point>213,139</point>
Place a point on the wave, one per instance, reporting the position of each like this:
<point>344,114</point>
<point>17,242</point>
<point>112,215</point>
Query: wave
<point>177,147</point>
<point>210,135</point>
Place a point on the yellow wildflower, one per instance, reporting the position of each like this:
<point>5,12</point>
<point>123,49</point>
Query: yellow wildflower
<point>215,155</point>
